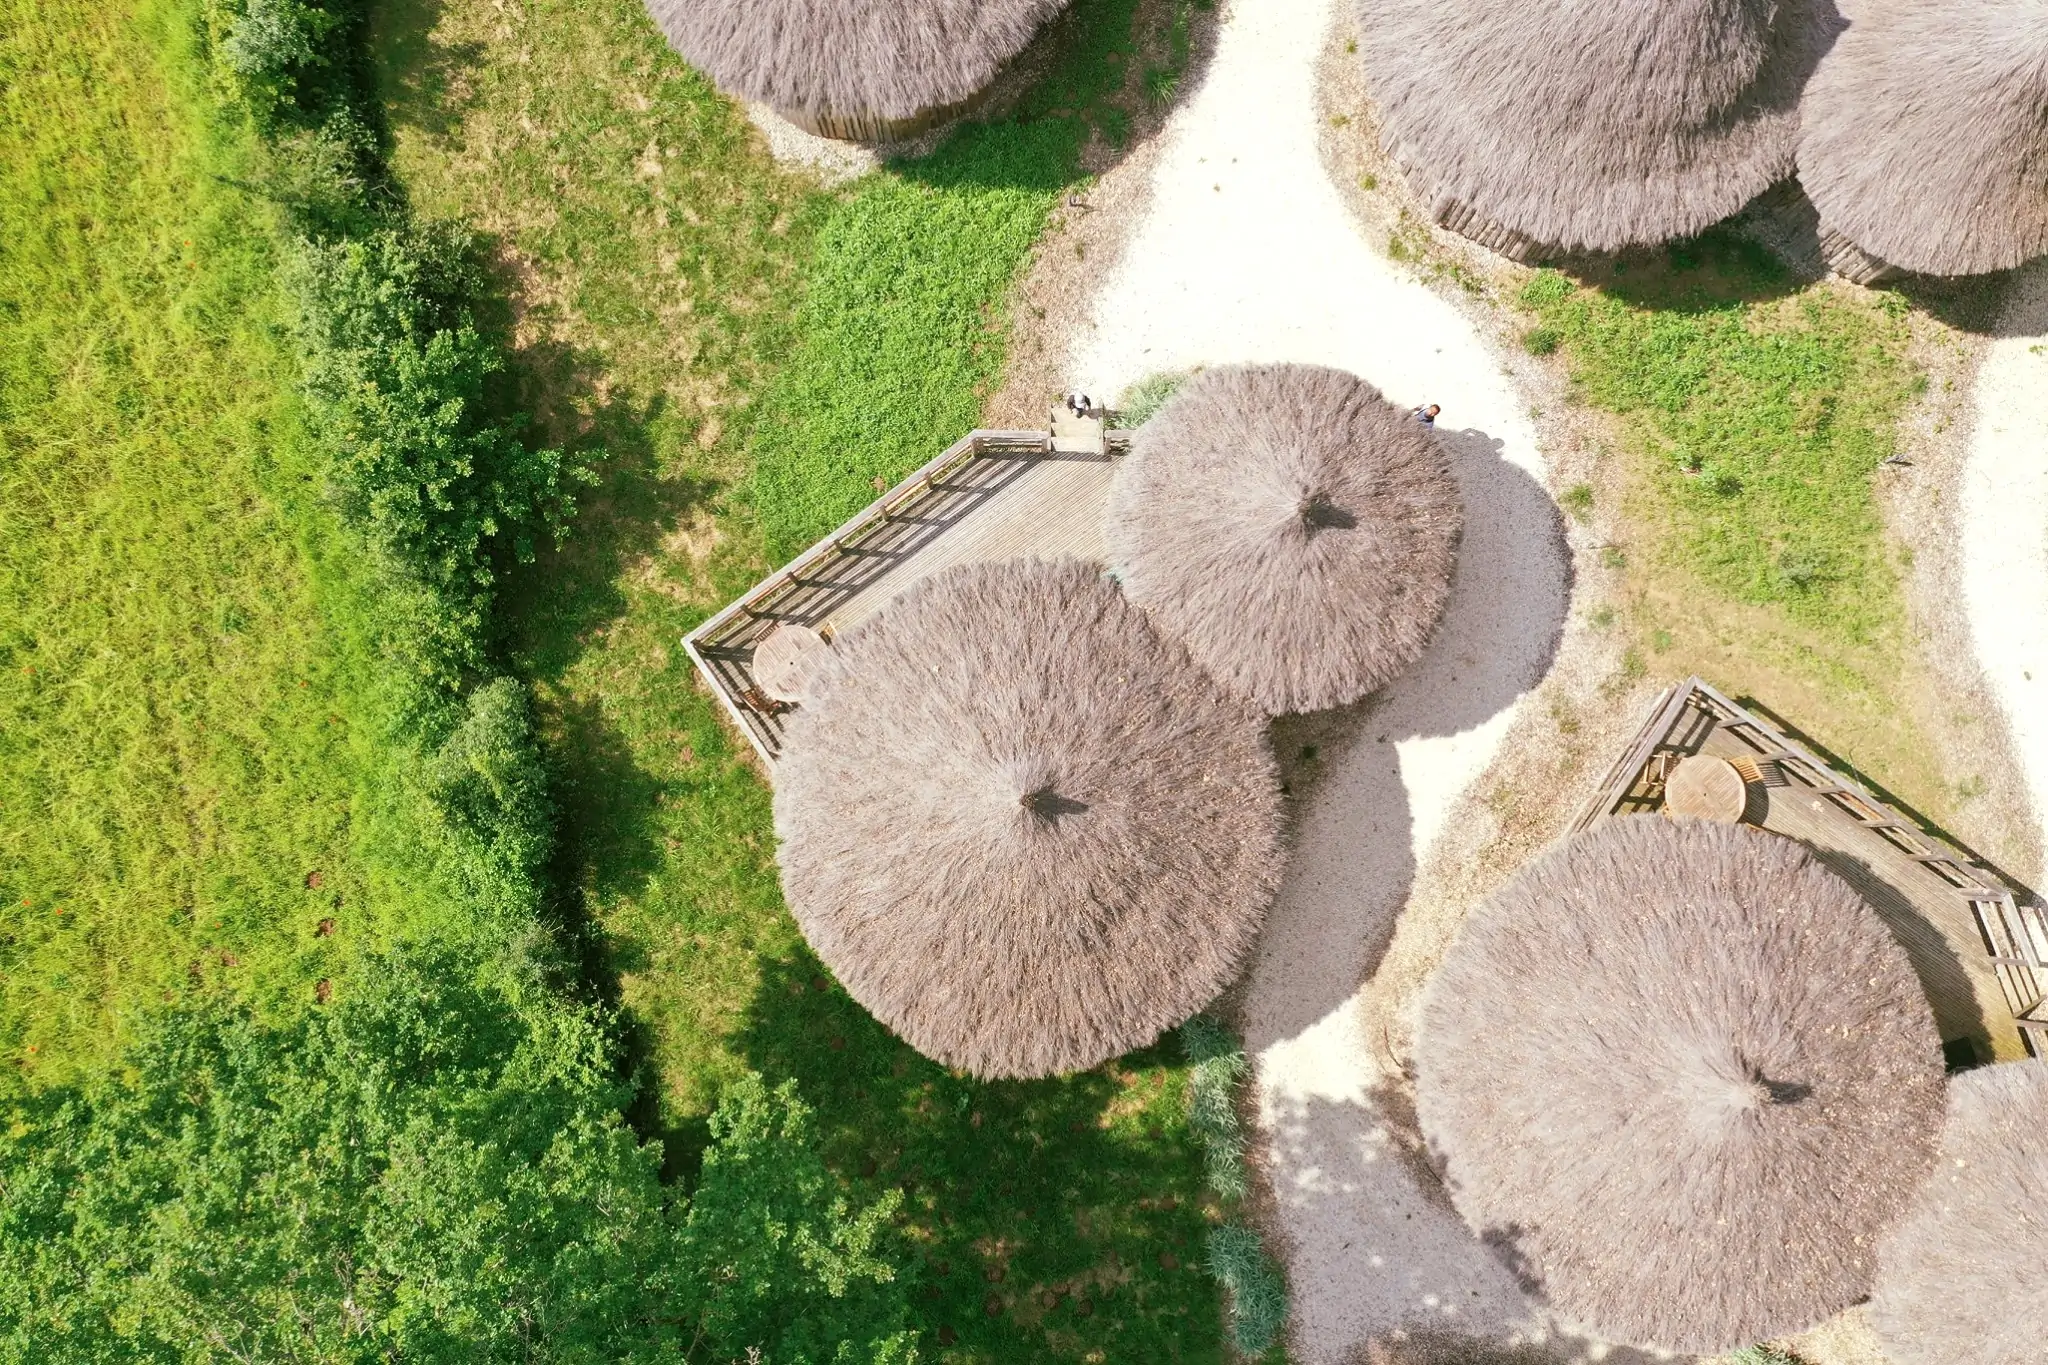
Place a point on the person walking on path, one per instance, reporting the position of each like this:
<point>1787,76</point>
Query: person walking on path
<point>1427,414</point>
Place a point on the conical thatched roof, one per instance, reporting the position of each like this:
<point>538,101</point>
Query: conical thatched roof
<point>1590,125</point>
<point>1925,133</point>
<point>1023,829</point>
<point>1293,528</point>
<point>1682,1077</point>
<point>834,61</point>
<point>1963,1280</point>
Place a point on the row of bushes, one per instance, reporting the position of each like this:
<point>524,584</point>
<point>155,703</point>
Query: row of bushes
<point>433,1165</point>
<point>1251,1278</point>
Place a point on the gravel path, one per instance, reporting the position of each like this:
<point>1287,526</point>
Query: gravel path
<point>2005,518</point>
<point>1247,253</point>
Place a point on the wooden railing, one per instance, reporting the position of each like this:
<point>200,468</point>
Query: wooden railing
<point>2014,936</point>
<point>721,647</point>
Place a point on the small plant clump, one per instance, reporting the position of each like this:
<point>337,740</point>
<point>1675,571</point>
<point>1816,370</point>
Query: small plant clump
<point>1578,501</point>
<point>1146,397</point>
<point>1237,1256</point>
<point>1542,340</point>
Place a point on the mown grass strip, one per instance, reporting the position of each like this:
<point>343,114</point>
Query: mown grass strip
<point>189,708</point>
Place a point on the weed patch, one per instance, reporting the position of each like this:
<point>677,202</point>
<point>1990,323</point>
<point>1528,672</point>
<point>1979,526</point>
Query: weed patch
<point>1765,420</point>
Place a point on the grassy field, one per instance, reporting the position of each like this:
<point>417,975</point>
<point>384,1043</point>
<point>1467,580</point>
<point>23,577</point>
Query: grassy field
<point>1754,418</point>
<point>185,711</point>
<point>752,352</point>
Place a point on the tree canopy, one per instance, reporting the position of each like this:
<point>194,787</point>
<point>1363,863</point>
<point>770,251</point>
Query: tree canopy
<point>429,1170</point>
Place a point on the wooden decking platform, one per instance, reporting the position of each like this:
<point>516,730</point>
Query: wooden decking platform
<point>992,495</point>
<point>1982,957</point>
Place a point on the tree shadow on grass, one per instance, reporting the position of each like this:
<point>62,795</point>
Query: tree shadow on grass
<point>416,77</point>
<point>1050,1218</point>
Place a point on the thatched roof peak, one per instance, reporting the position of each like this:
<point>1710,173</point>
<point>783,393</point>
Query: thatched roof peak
<point>1590,125</point>
<point>1021,827</point>
<point>1925,133</point>
<point>838,59</point>
<point>1294,529</point>
<point>1682,1077</point>
<point>1963,1279</point>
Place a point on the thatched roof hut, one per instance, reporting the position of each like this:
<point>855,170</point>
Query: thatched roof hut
<point>875,72</point>
<point>1023,829</point>
<point>1924,137</point>
<point>1682,1078</point>
<point>1963,1279</point>
<point>1292,527</point>
<point>1560,125</point>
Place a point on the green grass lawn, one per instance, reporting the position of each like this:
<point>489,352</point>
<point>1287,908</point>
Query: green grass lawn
<point>751,352</point>
<point>184,709</point>
<point>1754,417</point>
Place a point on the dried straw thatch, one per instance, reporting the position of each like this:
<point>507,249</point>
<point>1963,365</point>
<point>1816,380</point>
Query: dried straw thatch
<point>1292,527</point>
<point>1963,1279</point>
<point>1682,1078</point>
<point>1025,831</point>
<point>850,69</point>
<point>1924,134</point>
<point>1583,125</point>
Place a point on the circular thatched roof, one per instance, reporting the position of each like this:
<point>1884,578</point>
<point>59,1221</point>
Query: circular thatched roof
<point>1293,528</point>
<point>1682,1078</point>
<point>1924,135</point>
<point>1023,829</point>
<point>834,59</point>
<point>1963,1279</point>
<point>1591,125</point>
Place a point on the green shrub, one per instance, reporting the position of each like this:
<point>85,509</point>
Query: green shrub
<point>770,1244</point>
<point>1548,288</point>
<point>1218,1066</point>
<point>488,798</point>
<point>1258,1294</point>
<point>1542,340</point>
<point>425,473</point>
<point>1578,501</point>
<point>1256,1289</point>
<point>1145,398</point>
<point>1720,482</point>
<point>423,1171</point>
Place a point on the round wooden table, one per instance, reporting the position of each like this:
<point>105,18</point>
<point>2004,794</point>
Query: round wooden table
<point>787,659</point>
<point>1702,787</point>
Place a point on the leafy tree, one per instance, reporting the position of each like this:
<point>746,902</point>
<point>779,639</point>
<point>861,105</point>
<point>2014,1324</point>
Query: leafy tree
<point>786,1269</point>
<point>432,1170</point>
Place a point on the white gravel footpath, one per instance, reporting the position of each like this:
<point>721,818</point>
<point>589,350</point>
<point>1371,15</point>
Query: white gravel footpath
<point>2005,519</point>
<point>1246,253</point>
